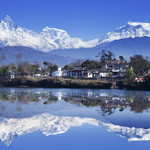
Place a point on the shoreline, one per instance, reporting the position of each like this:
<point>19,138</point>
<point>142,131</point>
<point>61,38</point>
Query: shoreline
<point>56,82</point>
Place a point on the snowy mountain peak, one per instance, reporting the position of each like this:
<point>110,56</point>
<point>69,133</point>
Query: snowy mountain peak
<point>53,29</point>
<point>53,33</point>
<point>138,23</point>
<point>7,19</point>
<point>130,30</point>
<point>8,24</point>
<point>47,40</point>
<point>52,38</point>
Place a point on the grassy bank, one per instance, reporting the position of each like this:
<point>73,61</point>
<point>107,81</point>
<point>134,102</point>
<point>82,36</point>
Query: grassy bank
<point>54,82</point>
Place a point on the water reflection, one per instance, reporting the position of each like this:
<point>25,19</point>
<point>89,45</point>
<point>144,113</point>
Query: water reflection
<point>54,111</point>
<point>46,123</point>
<point>107,100</point>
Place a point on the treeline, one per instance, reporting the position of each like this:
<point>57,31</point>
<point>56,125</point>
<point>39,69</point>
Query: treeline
<point>138,64</point>
<point>25,68</point>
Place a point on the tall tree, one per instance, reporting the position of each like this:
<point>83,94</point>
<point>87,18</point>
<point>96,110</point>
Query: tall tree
<point>105,55</point>
<point>18,59</point>
<point>2,58</point>
<point>91,64</point>
<point>13,67</point>
<point>52,68</point>
<point>34,69</point>
<point>4,71</point>
<point>24,67</point>
<point>121,58</point>
<point>139,64</point>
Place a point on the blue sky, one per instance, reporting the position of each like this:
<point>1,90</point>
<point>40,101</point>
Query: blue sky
<point>87,19</point>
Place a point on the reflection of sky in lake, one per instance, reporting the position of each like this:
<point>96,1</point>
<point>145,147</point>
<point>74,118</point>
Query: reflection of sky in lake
<point>74,119</point>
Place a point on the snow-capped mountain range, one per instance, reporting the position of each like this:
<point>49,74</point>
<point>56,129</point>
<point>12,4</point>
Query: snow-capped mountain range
<point>52,38</point>
<point>49,38</point>
<point>131,30</point>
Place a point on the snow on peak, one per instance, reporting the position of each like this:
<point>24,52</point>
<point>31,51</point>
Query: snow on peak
<point>130,30</point>
<point>53,33</point>
<point>52,38</point>
<point>8,24</point>
<point>53,29</point>
<point>47,40</point>
<point>7,19</point>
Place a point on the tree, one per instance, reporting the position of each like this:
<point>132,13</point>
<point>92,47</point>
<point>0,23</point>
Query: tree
<point>121,58</point>
<point>4,71</point>
<point>13,67</point>
<point>91,65</point>
<point>130,76</point>
<point>2,58</point>
<point>34,68</point>
<point>110,55</point>
<point>18,59</point>
<point>45,63</point>
<point>52,68</point>
<point>104,55</point>
<point>49,67</point>
<point>66,67</point>
<point>24,68</point>
<point>139,64</point>
<point>76,63</point>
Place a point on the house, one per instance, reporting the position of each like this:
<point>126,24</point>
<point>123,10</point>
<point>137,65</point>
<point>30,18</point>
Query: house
<point>57,73</point>
<point>15,74</point>
<point>37,75</point>
<point>110,69</point>
<point>100,74</point>
<point>12,75</point>
<point>88,74</point>
<point>116,67</point>
<point>78,73</point>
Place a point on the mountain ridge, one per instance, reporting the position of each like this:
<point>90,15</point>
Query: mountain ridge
<point>49,38</point>
<point>125,47</point>
<point>33,56</point>
<point>60,48</point>
<point>52,38</point>
<point>131,30</point>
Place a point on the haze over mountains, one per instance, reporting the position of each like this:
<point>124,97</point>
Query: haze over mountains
<point>127,40</point>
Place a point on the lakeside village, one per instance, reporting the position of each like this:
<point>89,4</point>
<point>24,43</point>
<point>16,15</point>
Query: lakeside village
<point>107,68</point>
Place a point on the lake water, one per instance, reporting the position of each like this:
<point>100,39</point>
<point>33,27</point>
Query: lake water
<point>74,119</point>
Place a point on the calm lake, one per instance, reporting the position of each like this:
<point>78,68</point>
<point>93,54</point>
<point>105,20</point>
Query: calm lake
<point>74,119</point>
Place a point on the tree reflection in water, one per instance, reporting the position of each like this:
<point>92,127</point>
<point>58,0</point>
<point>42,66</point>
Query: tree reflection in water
<point>108,102</point>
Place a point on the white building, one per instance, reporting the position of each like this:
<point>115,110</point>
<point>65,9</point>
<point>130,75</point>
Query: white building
<point>57,73</point>
<point>101,74</point>
<point>77,73</point>
<point>37,75</point>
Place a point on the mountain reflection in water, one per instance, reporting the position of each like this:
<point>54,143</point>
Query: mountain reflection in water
<point>54,111</point>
